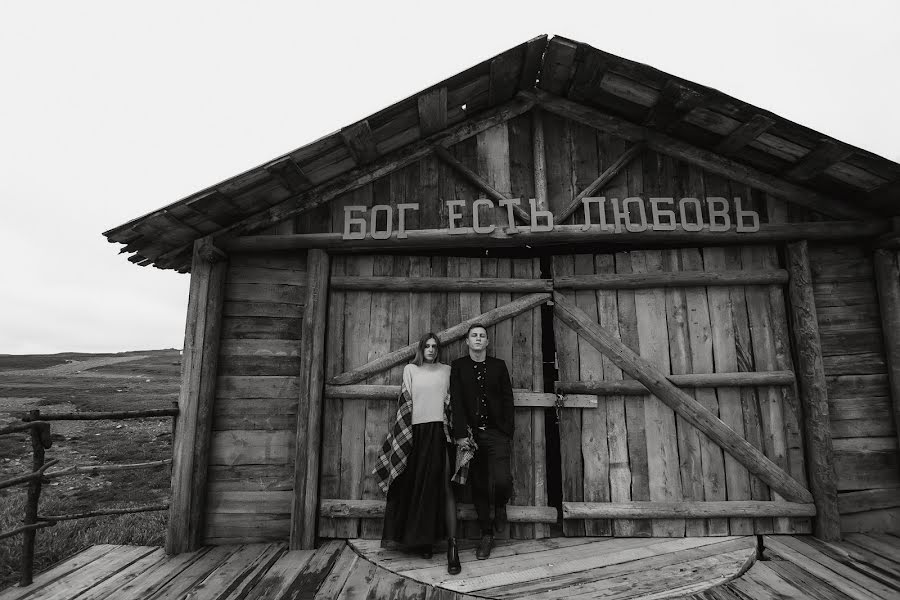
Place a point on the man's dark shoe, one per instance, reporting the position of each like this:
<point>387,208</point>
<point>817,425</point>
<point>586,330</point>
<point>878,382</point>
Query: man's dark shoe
<point>484,546</point>
<point>453,566</point>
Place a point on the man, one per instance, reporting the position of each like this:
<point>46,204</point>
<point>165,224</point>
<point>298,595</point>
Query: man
<point>482,399</point>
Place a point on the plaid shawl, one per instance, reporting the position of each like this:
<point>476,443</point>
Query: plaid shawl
<point>399,443</point>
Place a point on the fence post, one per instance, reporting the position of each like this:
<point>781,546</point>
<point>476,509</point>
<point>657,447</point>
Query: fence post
<point>40,439</point>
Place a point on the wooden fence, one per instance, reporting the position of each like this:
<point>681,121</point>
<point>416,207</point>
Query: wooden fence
<point>38,429</point>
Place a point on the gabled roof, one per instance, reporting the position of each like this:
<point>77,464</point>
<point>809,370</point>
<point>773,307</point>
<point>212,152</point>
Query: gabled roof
<point>495,90</point>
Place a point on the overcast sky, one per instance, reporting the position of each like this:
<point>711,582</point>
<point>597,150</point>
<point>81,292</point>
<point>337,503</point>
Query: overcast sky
<point>109,110</point>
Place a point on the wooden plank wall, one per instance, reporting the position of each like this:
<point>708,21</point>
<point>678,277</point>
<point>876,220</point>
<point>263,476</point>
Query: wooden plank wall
<point>867,461</point>
<point>254,416</point>
<point>375,323</point>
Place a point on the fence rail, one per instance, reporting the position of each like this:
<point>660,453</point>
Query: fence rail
<point>38,429</point>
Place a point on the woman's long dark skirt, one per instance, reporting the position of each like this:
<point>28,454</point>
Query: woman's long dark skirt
<point>414,514</point>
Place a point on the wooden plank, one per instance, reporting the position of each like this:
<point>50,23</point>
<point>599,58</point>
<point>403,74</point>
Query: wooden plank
<point>521,374</point>
<point>672,279</point>
<point>811,377</point>
<point>442,284</point>
<point>378,414</point>
<point>638,367</point>
<point>265,292</point>
<point>569,422</point>
<point>249,478</point>
<point>538,427</point>
<point>248,447</point>
<point>432,108</point>
<point>191,446</point>
<point>238,573</point>
<point>458,331</point>
<point>502,343</point>
<point>535,566</point>
<point>616,427</point>
<point>332,412</point>
<point>662,453</point>
<point>744,134</point>
<point>827,153</point>
<point>466,237</point>
<point>262,309</point>
<point>540,161</point>
<point>261,328</point>
<point>701,343</point>
<point>257,387</point>
<point>873,566</point>
<point>705,159</point>
<point>255,413</point>
<point>842,577</point>
<point>277,580</point>
<point>59,571</point>
<point>233,529</point>
<point>769,399</point>
<point>594,449</point>
<point>95,572</point>
<point>887,272</point>
<point>680,355</point>
<point>241,274</point>
<point>885,546</point>
<point>866,500</point>
<point>634,407</point>
<point>356,328</point>
<point>346,562</point>
<point>762,582</point>
<point>146,582</point>
<point>686,509</point>
<point>737,479</point>
<point>572,582</point>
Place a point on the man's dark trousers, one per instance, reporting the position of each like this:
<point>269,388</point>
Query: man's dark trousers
<point>491,474</point>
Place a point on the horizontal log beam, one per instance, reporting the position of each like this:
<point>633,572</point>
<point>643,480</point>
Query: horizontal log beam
<point>465,237</point>
<point>630,387</point>
<point>866,500</point>
<point>633,281</point>
<point>521,398</point>
<point>451,334</point>
<point>441,284</point>
<point>479,182</point>
<point>373,509</point>
<point>685,510</point>
<point>693,411</point>
<point>704,159</point>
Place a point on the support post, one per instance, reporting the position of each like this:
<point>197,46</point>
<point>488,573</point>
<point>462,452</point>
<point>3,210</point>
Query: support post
<point>887,277</point>
<point>199,362</point>
<point>540,160</point>
<point>304,506</point>
<point>813,393</point>
<point>40,440</point>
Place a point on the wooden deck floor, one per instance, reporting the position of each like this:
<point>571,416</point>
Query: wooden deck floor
<point>865,567</point>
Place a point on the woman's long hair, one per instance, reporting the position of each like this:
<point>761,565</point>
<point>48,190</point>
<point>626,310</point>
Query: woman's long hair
<point>420,349</point>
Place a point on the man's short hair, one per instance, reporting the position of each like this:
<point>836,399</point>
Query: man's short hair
<point>475,326</point>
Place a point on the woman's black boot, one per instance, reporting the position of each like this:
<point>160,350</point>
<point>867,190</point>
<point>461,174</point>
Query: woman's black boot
<point>453,566</point>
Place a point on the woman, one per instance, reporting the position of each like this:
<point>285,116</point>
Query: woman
<point>414,468</point>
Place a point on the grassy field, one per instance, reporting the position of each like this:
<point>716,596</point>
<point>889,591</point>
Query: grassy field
<point>87,383</point>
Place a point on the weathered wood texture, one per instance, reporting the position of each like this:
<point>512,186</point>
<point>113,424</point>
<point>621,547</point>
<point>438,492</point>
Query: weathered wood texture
<point>256,395</point>
<point>309,407</point>
<point>191,447</point>
<point>813,392</point>
<point>375,325</point>
<point>698,346</point>
<point>851,286</point>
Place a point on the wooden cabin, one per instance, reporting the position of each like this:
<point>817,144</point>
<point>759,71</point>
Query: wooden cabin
<point>621,231</point>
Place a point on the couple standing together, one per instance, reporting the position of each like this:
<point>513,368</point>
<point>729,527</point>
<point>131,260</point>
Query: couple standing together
<point>454,424</point>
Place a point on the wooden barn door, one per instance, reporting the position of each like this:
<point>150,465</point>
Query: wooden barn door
<point>636,455</point>
<point>378,307</point>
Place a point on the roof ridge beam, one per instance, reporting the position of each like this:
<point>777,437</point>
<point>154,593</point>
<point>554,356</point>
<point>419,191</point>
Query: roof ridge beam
<point>704,159</point>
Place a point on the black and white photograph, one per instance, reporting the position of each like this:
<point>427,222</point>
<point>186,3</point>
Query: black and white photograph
<point>482,300</point>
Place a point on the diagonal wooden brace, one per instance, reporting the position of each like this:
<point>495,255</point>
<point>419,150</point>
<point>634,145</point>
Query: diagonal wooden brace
<point>458,331</point>
<point>695,413</point>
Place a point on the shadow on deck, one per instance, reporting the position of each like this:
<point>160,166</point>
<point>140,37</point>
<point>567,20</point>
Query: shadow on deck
<point>862,566</point>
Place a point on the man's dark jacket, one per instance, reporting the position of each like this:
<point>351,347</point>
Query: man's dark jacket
<point>464,393</point>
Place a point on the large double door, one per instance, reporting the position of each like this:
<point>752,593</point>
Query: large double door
<point>620,448</point>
